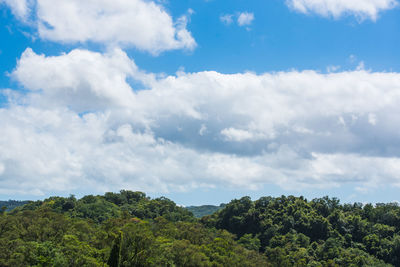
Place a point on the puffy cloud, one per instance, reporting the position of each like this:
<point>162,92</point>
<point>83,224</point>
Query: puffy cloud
<point>336,8</point>
<point>133,23</point>
<point>245,19</point>
<point>206,129</point>
<point>369,171</point>
<point>81,80</point>
<point>274,103</point>
<point>60,151</point>
<point>143,24</point>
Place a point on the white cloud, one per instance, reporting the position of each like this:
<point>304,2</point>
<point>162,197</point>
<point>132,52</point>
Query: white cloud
<point>245,19</point>
<point>238,135</point>
<point>143,24</point>
<point>361,66</point>
<point>372,119</point>
<point>357,167</point>
<point>226,19</point>
<point>332,68</point>
<point>59,151</point>
<point>336,8</point>
<point>294,129</point>
<point>20,8</point>
<point>2,168</point>
<point>80,80</point>
<point>203,130</point>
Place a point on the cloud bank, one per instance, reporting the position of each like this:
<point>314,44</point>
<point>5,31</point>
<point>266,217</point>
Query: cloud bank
<point>363,9</point>
<point>81,124</point>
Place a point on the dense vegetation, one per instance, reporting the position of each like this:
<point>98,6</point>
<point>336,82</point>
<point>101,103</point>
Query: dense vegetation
<point>292,231</point>
<point>125,229</point>
<point>130,229</point>
<point>201,211</point>
<point>11,204</point>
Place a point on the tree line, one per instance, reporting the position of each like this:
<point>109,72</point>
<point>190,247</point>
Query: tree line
<point>117,229</point>
<point>130,229</point>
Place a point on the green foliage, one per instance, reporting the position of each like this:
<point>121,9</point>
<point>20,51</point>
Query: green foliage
<point>113,205</point>
<point>295,232</point>
<point>201,211</point>
<point>125,229</point>
<point>131,229</point>
<point>11,204</point>
<point>250,242</point>
<point>115,254</point>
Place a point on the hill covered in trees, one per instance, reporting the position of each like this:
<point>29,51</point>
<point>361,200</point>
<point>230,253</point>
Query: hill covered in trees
<point>292,231</point>
<point>201,211</point>
<point>131,229</point>
<point>124,229</point>
<point>11,204</point>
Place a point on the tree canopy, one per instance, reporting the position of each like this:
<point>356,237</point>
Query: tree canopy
<point>130,229</point>
<point>292,231</point>
<point>117,229</point>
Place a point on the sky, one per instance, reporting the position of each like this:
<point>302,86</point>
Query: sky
<point>201,101</point>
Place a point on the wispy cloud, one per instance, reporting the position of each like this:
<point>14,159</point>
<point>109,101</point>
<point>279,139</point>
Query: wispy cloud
<point>20,8</point>
<point>242,18</point>
<point>226,19</point>
<point>362,9</point>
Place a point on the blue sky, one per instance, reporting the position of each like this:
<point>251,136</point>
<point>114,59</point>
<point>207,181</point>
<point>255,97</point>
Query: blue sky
<point>200,101</point>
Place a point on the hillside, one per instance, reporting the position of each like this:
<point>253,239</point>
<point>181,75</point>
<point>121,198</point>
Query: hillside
<point>117,229</point>
<point>200,211</point>
<point>293,231</point>
<point>131,229</point>
<point>12,204</point>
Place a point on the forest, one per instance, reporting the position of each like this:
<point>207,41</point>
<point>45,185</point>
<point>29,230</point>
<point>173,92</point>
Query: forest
<point>200,211</point>
<point>11,204</point>
<point>131,229</point>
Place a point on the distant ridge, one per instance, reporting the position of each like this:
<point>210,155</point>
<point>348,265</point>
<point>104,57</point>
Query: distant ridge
<point>204,210</point>
<point>12,204</point>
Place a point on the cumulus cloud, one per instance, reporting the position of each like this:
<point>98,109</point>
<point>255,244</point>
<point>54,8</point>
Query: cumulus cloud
<point>60,151</point>
<point>245,19</point>
<point>336,8</point>
<point>145,25</point>
<point>81,80</point>
<point>207,129</point>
